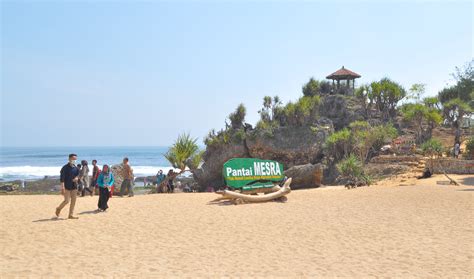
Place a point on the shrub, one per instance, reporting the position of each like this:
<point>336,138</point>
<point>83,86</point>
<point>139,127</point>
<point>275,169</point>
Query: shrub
<point>351,168</point>
<point>339,144</point>
<point>469,154</point>
<point>311,88</point>
<point>238,136</point>
<point>325,87</point>
<point>382,134</point>
<point>237,118</point>
<point>432,147</point>
<point>359,126</point>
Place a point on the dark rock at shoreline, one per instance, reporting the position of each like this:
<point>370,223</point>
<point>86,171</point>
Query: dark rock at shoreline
<point>44,185</point>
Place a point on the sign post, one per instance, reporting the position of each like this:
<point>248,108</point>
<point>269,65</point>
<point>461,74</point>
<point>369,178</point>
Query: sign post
<point>250,173</point>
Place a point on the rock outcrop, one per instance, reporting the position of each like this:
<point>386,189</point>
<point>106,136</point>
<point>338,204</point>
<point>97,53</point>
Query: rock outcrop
<point>342,110</point>
<point>210,173</point>
<point>289,145</point>
<point>305,176</point>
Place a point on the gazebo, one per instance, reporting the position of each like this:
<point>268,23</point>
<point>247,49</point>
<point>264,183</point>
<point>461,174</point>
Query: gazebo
<point>343,74</point>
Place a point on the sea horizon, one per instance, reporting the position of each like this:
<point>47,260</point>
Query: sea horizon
<point>30,163</point>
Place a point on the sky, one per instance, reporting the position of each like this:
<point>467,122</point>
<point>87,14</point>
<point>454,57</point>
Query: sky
<point>123,73</point>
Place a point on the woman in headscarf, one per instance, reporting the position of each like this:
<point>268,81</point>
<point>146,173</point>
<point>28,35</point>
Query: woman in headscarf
<point>105,182</point>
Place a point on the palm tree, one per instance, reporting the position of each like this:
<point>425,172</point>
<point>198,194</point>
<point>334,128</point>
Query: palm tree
<point>184,155</point>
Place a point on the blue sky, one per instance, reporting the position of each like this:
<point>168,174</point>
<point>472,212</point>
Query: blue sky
<point>130,74</point>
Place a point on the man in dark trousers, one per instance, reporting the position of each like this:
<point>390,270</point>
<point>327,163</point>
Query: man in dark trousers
<point>69,179</point>
<point>127,174</point>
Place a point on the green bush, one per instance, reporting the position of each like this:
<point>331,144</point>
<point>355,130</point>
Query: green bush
<point>351,168</point>
<point>237,118</point>
<point>469,154</point>
<point>339,144</point>
<point>382,134</point>
<point>311,88</point>
<point>432,147</point>
<point>359,126</point>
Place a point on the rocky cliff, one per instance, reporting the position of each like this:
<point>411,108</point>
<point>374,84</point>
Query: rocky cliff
<point>291,145</point>
<point>341,110</point>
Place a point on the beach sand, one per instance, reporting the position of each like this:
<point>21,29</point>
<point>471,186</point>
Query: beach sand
<point>426,230</point>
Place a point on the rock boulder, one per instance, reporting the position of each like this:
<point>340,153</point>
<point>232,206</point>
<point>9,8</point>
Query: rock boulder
<point>305,176</point>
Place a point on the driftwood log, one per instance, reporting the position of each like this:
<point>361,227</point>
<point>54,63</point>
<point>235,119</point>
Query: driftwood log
<point>239,198</point>
<point>451,181</point>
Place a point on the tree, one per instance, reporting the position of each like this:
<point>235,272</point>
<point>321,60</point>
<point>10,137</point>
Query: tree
<point>339,144</point>
<point>325,87</point>
<point>416,91</point>
<point>311,88</point>
<point>432,102</point>
<point>237,118</point>
<point>362,93</point>
<point>457,100</point>
<point>418,114</point>
<point>368,140</point>
<point>270,107</point>
<point>184,153</point>
<point>386,94</point>
<point>454,110</point>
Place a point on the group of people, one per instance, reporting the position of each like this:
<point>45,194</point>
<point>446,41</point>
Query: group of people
<point>163,185</point>
<point>75,181</point>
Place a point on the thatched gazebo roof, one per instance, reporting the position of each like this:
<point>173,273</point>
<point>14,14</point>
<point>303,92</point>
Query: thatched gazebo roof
<point>343,74</point>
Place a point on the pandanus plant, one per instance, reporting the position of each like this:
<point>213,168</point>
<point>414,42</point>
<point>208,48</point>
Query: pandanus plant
<point>184,155</point>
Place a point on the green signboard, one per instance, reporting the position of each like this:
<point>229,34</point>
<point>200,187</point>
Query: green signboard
<point>251,173</point>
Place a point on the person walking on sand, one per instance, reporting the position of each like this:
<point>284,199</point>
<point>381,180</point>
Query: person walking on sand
<point>79,181</point>
<point>127,174</point>
<point>105,182</point>
<point>69,180</point>
<point>95,175</point>
<point>84,178</point>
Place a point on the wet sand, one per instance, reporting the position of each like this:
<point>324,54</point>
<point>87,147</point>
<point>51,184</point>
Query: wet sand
<point>426,230</point>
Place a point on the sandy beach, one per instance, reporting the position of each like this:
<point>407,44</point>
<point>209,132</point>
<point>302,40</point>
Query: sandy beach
<point>426,230</point>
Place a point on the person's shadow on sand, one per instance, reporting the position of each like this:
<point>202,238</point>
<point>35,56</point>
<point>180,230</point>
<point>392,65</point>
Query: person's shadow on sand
<point>49,219</point>
<point>89,212</point>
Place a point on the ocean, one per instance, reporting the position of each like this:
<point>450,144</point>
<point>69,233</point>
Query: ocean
<point>27,163</point>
